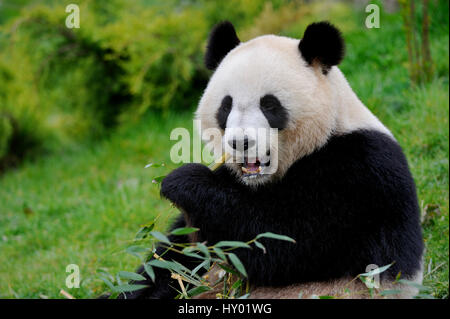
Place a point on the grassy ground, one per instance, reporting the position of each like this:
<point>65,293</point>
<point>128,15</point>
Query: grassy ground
<point>83,204</point>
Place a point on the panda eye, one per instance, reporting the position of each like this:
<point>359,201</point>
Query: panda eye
<point>269,103</point>
<point>227,102</point>
<point>223,111</point>
<point>275,113</point>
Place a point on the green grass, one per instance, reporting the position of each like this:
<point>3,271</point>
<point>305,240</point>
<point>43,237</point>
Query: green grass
<point>83,205</point>
<point>418,117</point>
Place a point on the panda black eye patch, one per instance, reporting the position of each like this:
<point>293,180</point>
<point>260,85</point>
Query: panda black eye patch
<point>275,113</point>
<point>223,111</point>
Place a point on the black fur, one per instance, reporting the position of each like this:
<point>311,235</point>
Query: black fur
<point>223,111</point>
<point>275,113</point>
<point>222,40</point>
<point>323,43</point>
<point>349,204</point>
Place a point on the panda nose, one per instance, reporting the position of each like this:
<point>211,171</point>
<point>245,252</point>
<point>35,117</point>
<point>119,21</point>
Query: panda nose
<point>246,143</point>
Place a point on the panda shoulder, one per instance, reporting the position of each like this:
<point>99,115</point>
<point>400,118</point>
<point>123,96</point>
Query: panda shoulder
<point>369,152</point>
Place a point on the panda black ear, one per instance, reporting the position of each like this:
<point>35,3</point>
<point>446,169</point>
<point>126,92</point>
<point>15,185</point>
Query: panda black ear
<point>322,43</point>
<point>222,40</point>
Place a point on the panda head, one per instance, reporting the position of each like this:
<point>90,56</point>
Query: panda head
<point>283,86</point>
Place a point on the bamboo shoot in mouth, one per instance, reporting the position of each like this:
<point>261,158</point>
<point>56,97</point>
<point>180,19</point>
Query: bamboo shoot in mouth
<point>216,164</point>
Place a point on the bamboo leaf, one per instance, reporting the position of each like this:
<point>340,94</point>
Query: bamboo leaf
<point>219,252</point>
<point>184,231</point>
<point>390,292</point>
<point>143,232</point>
<point>237,284</point>
<point>160,264</point>
<point>160,236</point>
<point>275,236</point>
<point>136,250</point>
<point>232,244</point>
<point>154,165</point>
<point>204,250</point>
<point>149,270</point>
<point>198,290</point>
<point>237,264</point>
<point>376,271</point>
<point>128,288</point>
<point>228,269</point>
<point>158,179</point>
<point>261,246</point>
<point>108,283</point>
<point>196,269</point>
<point>105,273</point>
<point>189,251</point>
<point>180,266</point>
<point>130,275</point>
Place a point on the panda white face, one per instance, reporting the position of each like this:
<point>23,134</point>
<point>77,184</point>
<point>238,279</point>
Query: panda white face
<point>272,84</point>
<point>261,85</point>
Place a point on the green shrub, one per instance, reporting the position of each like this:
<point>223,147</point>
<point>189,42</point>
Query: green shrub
<point>124,60</point>
<point>5,134</point>
<point>129,58</point>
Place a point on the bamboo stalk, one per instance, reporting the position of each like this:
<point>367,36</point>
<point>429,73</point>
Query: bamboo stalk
<point>409,40</point>
<point>216,164</point>
<point>426,54</point>
<point>416,49</point>
<point>180,282</point>
<point>66,294</point>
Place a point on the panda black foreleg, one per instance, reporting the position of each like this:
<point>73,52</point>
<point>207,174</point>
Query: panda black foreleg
<point>213,206</point>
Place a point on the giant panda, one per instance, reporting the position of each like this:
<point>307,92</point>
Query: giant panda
<point>342,187</point>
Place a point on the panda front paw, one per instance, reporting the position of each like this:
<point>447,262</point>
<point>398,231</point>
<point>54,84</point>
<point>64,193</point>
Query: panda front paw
<point>181,185</point>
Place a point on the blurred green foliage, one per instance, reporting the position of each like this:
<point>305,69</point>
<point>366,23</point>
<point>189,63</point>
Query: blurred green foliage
<point>61,85</point>
<point>5,135</point>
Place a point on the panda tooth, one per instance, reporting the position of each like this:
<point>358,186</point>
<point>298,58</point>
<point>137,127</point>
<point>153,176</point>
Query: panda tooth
<point>244,170</point>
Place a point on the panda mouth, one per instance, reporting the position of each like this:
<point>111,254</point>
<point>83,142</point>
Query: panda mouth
<point>253,168</point>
